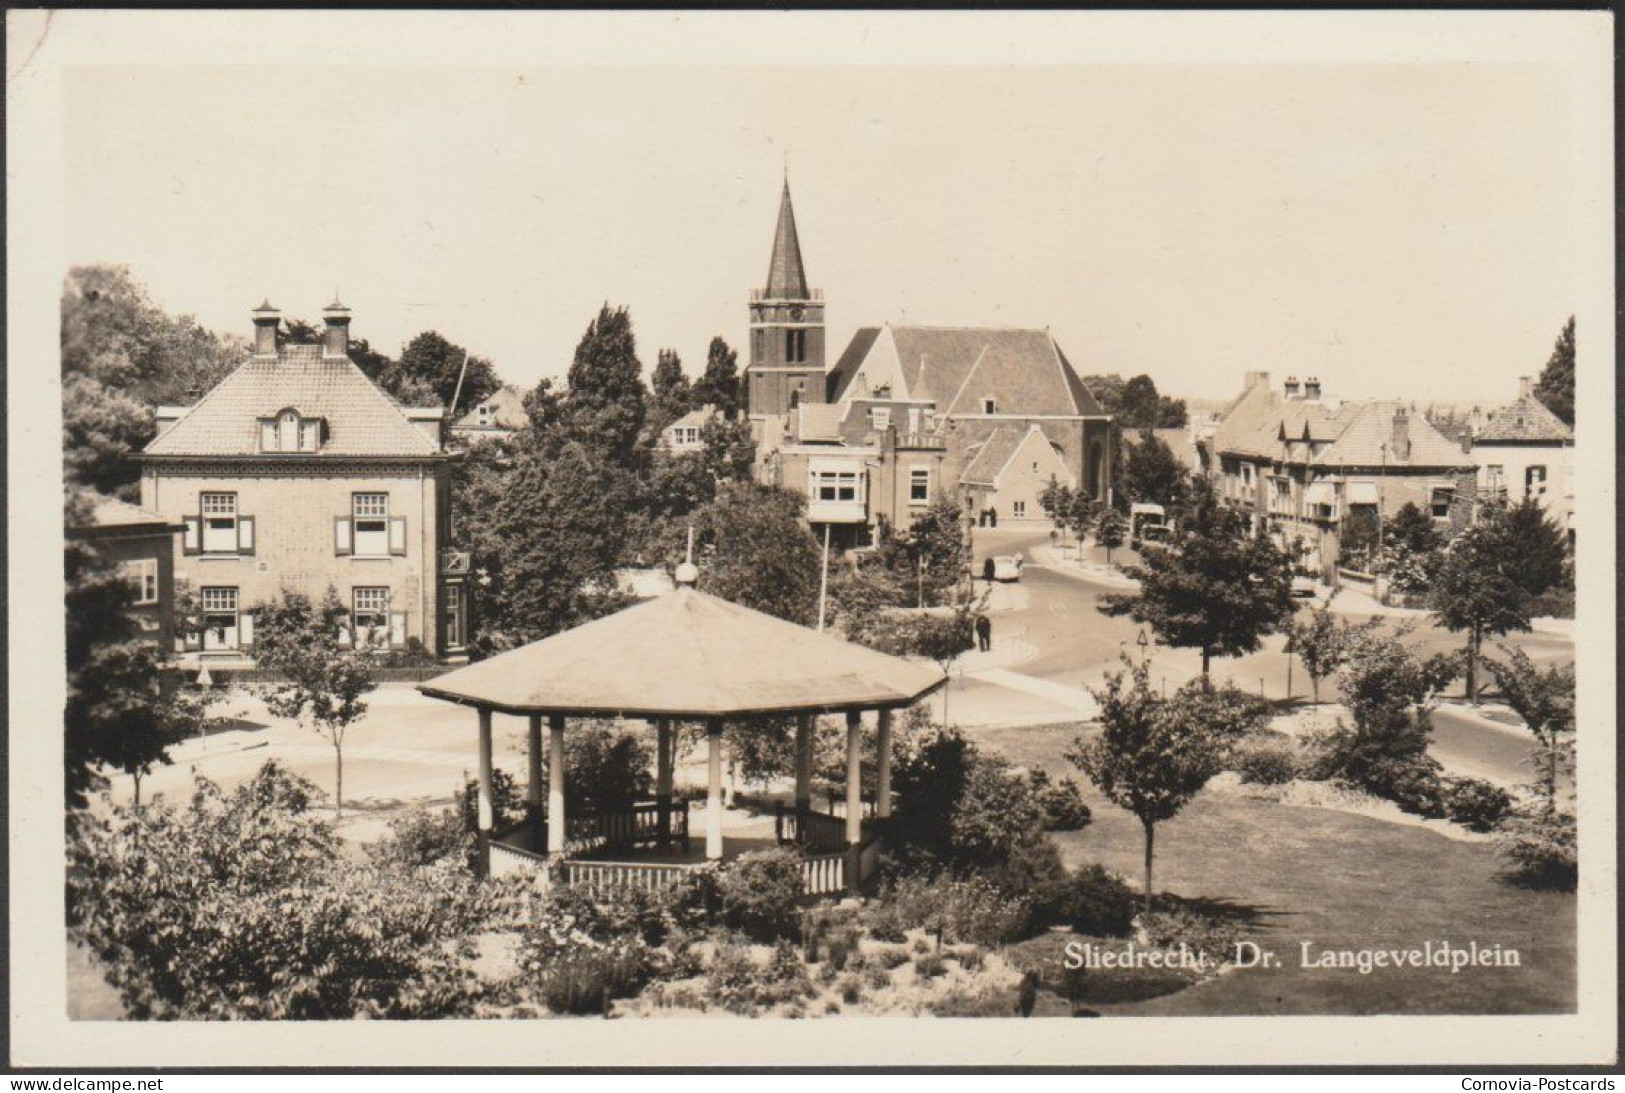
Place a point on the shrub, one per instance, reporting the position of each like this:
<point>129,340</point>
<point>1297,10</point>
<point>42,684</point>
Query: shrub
<point>1061,802</point>
<point>1101,903</point>
<point>1476,804</point>
<point>1213,935</point>
<point>929,966</point>
<point>421,837</point>
<point>759,894</point>
<point>587,980</point>
<point>241,906</point>
<point>739,986</point>
<point>1542,846</point>
<point>1265,761</point>
<point>1413,784</point>
<point>1034,876</point>
<point>960,808</point>
<point>1554,603</point>
<point>966,910</point>
<point>851,990</point>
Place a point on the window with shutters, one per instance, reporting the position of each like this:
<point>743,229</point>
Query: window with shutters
<point>221,620</point>
<point>370,615</point>
<point>219,522</point>
<point>142,573</point>
<point>369,513</point>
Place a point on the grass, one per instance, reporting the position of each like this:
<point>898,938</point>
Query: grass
<point>1339,881</point>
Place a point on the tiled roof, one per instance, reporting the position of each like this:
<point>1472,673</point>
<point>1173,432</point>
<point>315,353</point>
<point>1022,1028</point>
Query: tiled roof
<point>1024,371</point>
<point>510,413</point>
<point>992,454</point>
<point>110,512</point>
<point>1526,419</point>
<point>697,417</point>
<point>1367,441</point>
<point>361,419</point>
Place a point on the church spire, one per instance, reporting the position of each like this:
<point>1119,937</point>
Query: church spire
<point>786,278</point>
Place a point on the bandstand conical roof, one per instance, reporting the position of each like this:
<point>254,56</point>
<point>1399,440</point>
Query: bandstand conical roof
<point>688,655</point>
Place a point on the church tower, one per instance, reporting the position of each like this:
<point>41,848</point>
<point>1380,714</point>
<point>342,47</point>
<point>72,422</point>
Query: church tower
<point>786,328</point>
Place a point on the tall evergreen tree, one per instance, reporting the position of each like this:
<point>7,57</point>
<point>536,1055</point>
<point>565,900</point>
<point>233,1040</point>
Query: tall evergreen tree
<point>1556,386</point>
<point>670,391</point>
<point>719,386</point>
<point>605,401</point>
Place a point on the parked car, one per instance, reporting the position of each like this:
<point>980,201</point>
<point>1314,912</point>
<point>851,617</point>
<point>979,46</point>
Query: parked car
<point>1007,567</point>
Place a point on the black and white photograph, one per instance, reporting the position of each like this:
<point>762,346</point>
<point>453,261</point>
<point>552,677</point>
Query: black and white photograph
<point>658,538</point>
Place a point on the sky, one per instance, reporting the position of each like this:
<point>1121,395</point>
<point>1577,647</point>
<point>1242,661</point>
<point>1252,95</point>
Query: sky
<point>1397,230</point>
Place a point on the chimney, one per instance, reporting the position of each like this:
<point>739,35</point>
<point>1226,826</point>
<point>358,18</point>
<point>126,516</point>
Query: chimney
<point>1401,445</point>
<point>1526,386</point>
<point>266,321</point>
<point>336,341</point>
<point>1311,388</point>
<point>1292,387</point>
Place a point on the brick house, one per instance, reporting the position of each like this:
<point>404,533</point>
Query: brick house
<point>1524,450</point>
<point>908,411</point>
<point>1301,465</point>
<point>297,472</point>
<point>141,545</point>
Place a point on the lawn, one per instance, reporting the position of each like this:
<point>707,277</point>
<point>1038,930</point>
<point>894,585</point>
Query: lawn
<point>1339,881</point>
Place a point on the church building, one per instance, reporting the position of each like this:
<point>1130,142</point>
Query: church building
<point>907,413</point>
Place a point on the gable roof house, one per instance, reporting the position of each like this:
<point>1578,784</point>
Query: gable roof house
<point>1300,464</point>
<point>500,414</point>
<point>1523,450</point>
<point>297,472</point>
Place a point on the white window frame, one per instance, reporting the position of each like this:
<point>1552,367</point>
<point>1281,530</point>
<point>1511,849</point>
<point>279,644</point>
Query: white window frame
<point>836,483</point>
<point>1018,510</point>
<point>219,515</point>
<point>917,477</point>
<point>221,602</point>
<point>880,418</point>
<point>142,573</point>
<point>366,509</point>
<point>370,602</point>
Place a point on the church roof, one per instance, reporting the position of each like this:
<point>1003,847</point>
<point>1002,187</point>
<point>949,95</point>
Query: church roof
<point>1022,370</point>
<point>361,419</point>
<point>688,654</point>
<point>1526,419</point>
<point>786,277</point>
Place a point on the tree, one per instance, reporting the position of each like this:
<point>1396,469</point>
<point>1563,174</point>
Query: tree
<point>753,548</point>
<point>670,394</point>
<point>1536,543</point>
<point>1322,643</point>
<point>1214,588</point>
<point>324,679</point>
<point>1153,756</point>
<point>605,402</point>
<point>958,807</point>
<point>1136,403</point>
<point>1109,531</point>
<point>1477,591</point>
<point>428,370</point>
<point>936,543</point>
<point>1410,554</point>
<point>1556,386</point>
<point>551,546</point>
<point>719,386</point>
<point>1544,698</point>
<point>1056,499</point>
<point>1152,473</point>
<point>1360,536</point>
<point>115,715</point>
<point>121,356</point>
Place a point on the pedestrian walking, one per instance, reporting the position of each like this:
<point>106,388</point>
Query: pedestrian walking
<point>984,633</point>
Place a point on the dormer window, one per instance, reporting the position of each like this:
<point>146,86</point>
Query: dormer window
<point>880,418</point>
<point>289,431</point>
<point>989,406</point>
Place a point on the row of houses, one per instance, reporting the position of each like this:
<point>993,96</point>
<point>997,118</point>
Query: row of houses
<point>1305,466</point>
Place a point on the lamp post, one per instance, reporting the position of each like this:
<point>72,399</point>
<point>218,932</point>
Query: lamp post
<point>1145,644</point>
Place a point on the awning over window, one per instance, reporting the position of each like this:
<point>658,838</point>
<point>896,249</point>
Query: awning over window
<point>1320,493</point>
<point>1361,493</point>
